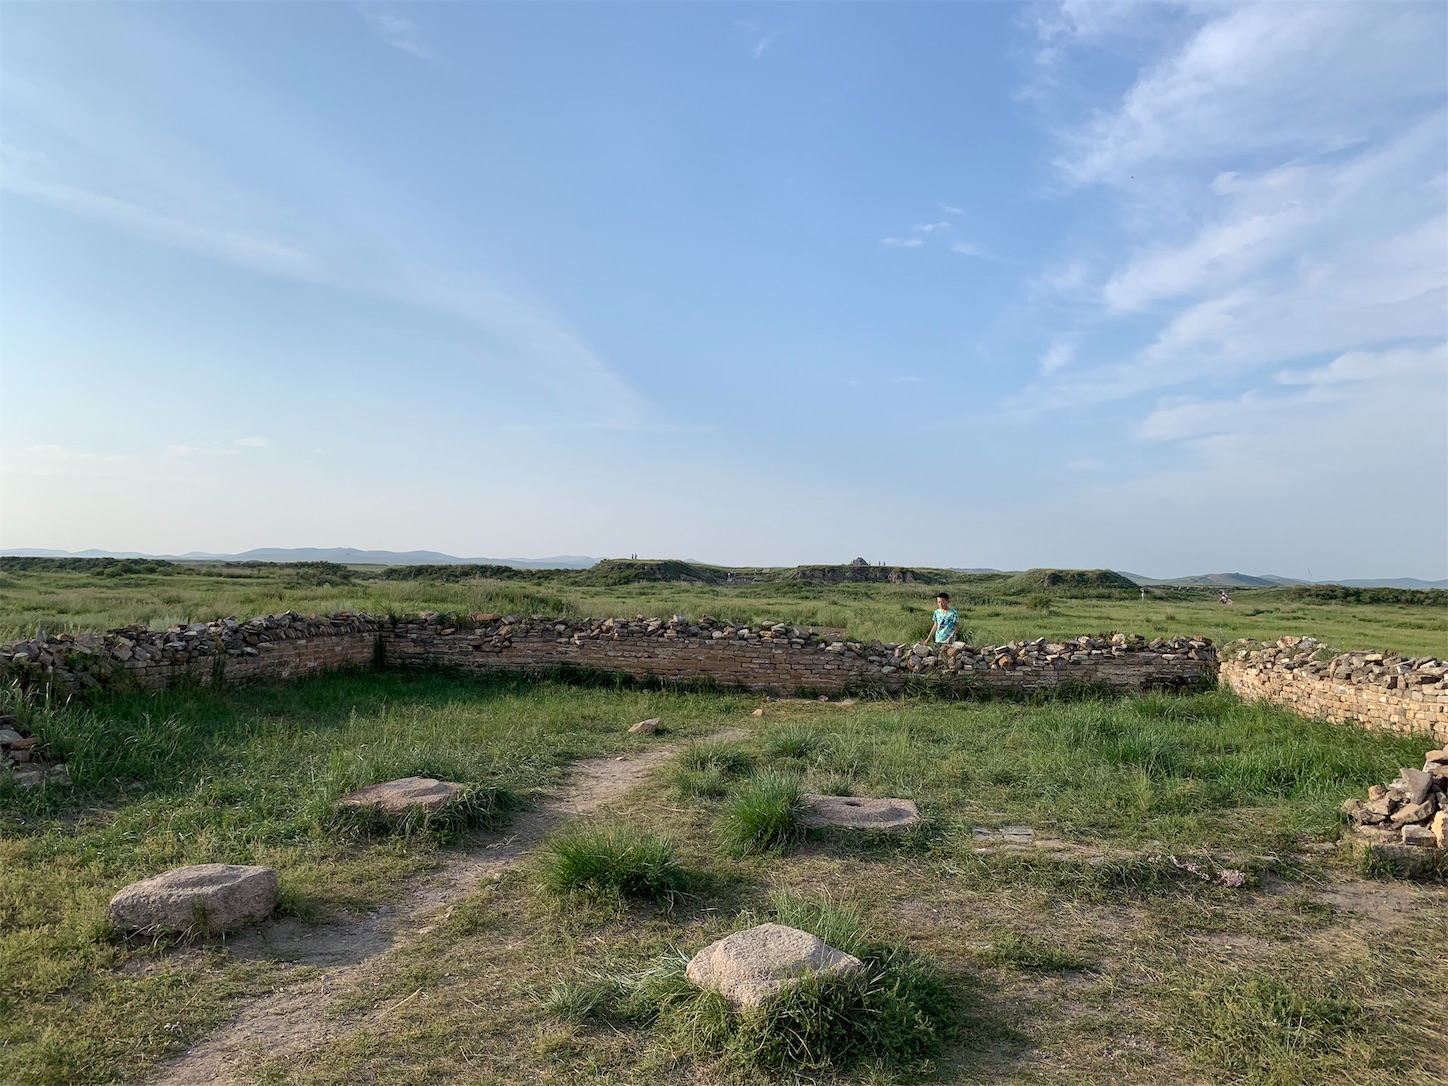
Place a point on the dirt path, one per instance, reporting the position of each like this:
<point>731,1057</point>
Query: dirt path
<point>345,954</point>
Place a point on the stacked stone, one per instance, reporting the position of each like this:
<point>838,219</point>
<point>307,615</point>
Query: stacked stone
<point>23,758</point>
<point>76,661</point>
<point>961,657</point>
<point>1412,810</point>
<point>1378,690</point>
<point>771,657</point>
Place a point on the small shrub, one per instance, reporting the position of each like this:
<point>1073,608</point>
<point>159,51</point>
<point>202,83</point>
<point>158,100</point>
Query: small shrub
<point>1038,601</point>
<point>763,815</point>
<point>614,860</point>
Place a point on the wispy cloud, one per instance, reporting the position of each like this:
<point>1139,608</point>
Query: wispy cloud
<point>902,243</point>
<point>234,245</point>
<point>253,442</point>
<point>950,209</point>
<point>929,227</point>
<point>400,33</point>
<point>971,248</point>
<point>756,36</point>
<point>908,380</point>
<point>1058,355</point>
<point>199,450</point>
<point>1278,189</point>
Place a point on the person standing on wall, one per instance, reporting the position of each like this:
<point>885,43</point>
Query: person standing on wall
<point>942,630</point>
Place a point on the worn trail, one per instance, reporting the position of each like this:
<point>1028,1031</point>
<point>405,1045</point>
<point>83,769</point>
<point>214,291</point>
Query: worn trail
<point>344,955</point>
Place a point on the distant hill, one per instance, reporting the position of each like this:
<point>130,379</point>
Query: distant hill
<point>1395,582</point>
<point>1268,580</point>
<point>348,556</point>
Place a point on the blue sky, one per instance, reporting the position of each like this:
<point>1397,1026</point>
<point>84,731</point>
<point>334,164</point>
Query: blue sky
<point>1152,286</point>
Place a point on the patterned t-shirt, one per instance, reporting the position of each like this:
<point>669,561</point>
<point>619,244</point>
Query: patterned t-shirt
<point>945,626</point>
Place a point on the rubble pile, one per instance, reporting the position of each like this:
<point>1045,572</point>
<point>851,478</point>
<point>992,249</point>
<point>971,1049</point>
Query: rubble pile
<point>1412,810</point>
<point>24,759</point>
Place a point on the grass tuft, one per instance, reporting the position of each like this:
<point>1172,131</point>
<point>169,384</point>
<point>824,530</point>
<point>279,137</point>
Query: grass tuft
<point>706,770</point>
<point>763,816</point>
<point>893,1014</point>
<point>1023,950</point>
<point>614,861</point>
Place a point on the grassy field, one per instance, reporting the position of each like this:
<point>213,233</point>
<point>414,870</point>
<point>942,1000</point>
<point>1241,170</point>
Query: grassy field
<point>1116,953</point>
<point>993,609</point>
<point>1096,960</point>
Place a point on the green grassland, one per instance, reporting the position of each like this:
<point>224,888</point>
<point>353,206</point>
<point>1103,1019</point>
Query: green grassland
<point>1105,964</point>
<point>1103,960</point>
<point>41,594</point>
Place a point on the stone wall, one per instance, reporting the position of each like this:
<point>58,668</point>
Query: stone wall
<point>791,659</point>
<point>1384,693</point>
<point>776,659</point>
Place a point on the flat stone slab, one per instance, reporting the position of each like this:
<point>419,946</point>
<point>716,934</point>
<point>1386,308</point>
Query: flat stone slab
<point>858,813</point>
<point>206,897</point>
<point>405,794</point>
<point>754,965</point>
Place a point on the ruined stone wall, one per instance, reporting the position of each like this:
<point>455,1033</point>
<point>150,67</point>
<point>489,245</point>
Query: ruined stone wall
<point>792,659</point>
<point>776,659</point>
<point>1384,693</point>
<point>276,646</point>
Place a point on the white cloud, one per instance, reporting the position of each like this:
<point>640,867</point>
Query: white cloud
<point>929,227</point>
<point>951,210</point>
<point>757,38</point>
<point>253,442</point>
<point>1058,355</point>
<point>905,380</point>
<point>902,243</point>
<point>400,33</point>
<point>198,450</point>
<point>1263,76</point>
<point>1403,362</point>
<point>971,248</point>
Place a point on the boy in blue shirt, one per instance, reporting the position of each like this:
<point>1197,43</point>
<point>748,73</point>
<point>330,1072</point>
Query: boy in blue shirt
<point>942,630</point>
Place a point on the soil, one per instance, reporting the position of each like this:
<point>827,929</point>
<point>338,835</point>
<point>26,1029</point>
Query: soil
<point>343,954</point>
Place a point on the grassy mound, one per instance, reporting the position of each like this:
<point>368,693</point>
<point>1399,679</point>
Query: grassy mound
<point>624,571</point>
<point>893,1014</point>
<point>1070,582</point>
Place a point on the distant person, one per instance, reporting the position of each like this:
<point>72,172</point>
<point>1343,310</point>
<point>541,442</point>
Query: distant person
<point>942,630</point>
<point>1224,598</point>
<point>1143,593</point>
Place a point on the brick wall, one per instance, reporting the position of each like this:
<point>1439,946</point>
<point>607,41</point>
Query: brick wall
<point>1383,693</point>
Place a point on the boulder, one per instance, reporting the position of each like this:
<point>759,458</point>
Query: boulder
<point>645,727</point>
<point>858,813</point>
<point>751,966</point>
<point>206,897</point>
<point>1440,829</point>
<point>400,796</point>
